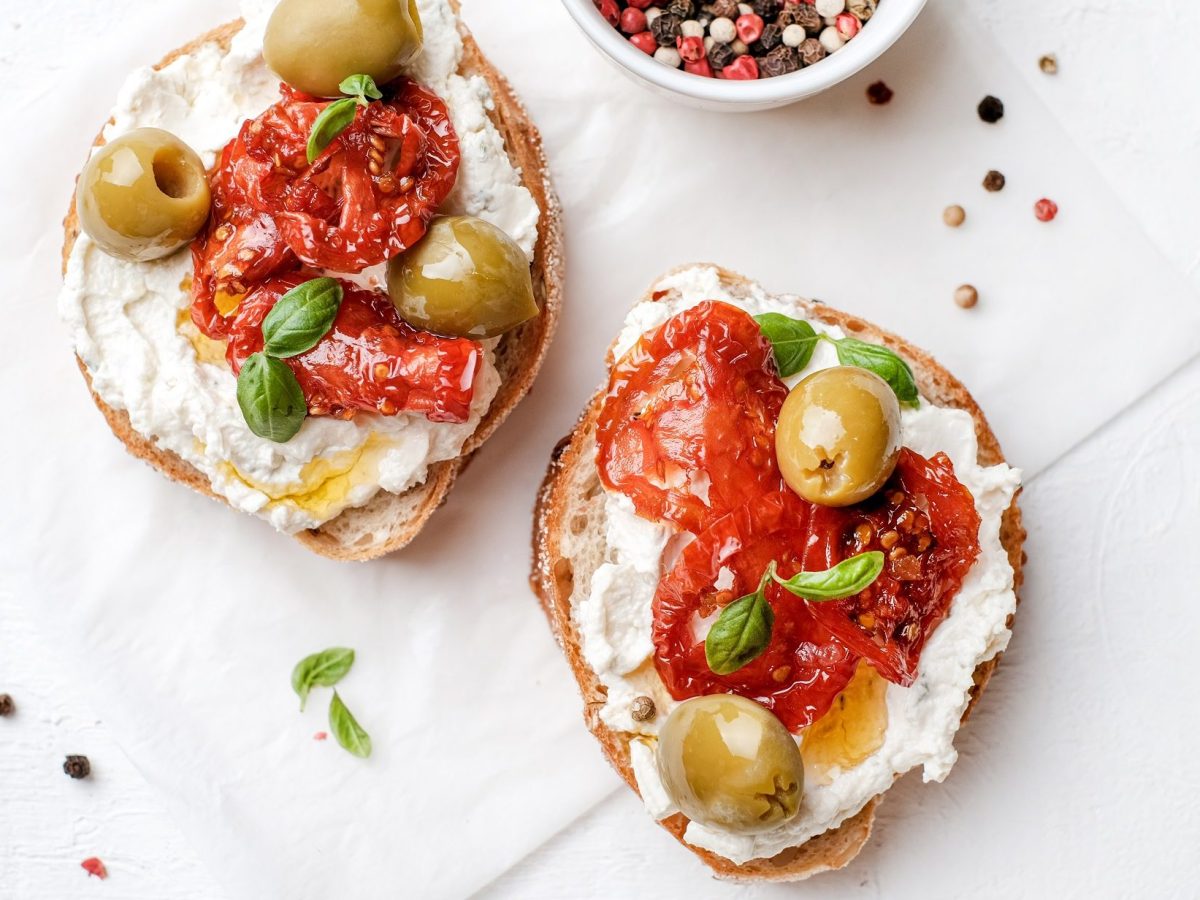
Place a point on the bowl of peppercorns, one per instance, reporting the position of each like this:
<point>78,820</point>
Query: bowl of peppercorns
<point>743,55</point>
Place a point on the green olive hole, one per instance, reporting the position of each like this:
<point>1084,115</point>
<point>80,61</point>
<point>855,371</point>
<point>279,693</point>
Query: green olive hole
<point>173,176</point>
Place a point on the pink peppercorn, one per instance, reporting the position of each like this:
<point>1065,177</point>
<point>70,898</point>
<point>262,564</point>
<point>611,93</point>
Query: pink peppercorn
<point>645,42</point>
<point>1045,210</point>
<point>744,68</point>
<point>847,25</point>
<point>633,21</point>
<point>750,27</point>
<point>610,11</point>
<point>700,67</point>
<point>690,48</point>
<point>641,4</point>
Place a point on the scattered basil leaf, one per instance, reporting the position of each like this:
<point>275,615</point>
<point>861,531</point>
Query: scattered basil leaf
<point>362,88</point>
<point>792,339</point>
<point>270,398</point>
<point>847,578</point>
<point>301,317</point>
<point>324,669</point>
<point>346,728</point>
<point>742,630</point>
<point>884,363</point>
<point>333,120</point>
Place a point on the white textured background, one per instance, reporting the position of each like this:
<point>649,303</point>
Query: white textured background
<point>1079,774</point>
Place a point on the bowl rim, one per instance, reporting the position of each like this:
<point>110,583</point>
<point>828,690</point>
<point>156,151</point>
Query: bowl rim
<point>864,49</point>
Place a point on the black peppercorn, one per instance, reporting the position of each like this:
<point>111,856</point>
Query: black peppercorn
<point>772,37</point>
<point>993,181</point>
<point>721,55</point>
<point>991,110</point>
<point>718,9</point>
<point>642,709</point>
<point>7,707</point>
<point>765,8</point>
<point>77,767</point>
<point>666,28</point>
<point>780,61</point>
<point>811,51</point>
<point>803,14</point>
<point>879,93</point>
<point>682,8</point>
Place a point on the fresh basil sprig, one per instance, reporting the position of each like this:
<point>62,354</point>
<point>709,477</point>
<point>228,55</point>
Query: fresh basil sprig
<point>849,577</point>
<point>742,631</point>
<point>270,398</point>
<point>337,116</point>
<point>301,317</point>
<point>794,341</point>
<point>884,363</point>
<point>324,669</point>
<point>346,729</point>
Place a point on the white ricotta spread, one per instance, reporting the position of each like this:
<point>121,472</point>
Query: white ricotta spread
<point>614,616</point>
<point>124,316</point>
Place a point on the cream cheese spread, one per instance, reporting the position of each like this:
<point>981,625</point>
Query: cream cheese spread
<point>613,617</point>
<point>125,317</point>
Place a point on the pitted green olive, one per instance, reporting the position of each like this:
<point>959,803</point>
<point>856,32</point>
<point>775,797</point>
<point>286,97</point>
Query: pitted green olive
<point>315,45</point>
<point>143,195</point>
<point>728,762</point>
<point>838,436</point>
<point>466,278</point>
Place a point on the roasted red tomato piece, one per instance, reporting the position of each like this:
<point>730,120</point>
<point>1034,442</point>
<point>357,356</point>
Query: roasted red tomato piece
<point>803,668</point>
<point>371,360</point>
<point>926,524</point>
<point>687,430</point>
<point>369,196</point>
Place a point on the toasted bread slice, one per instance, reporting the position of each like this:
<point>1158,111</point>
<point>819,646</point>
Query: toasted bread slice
<point>569,544</point>
<point>390,521</point>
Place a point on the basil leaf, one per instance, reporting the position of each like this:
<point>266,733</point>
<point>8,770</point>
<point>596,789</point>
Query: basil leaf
<point>361,87</point>
<point>846,579</point>
<point>324,669</point>
<point>742,631</point>
<point>884,363</point>
<point>792,339</point>
<point>271,399</point>
<point>301,317</point>
<point>346,728</point>
<point>332,121</point>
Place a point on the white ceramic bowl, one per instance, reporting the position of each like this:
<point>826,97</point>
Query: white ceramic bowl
<point>891,20</point>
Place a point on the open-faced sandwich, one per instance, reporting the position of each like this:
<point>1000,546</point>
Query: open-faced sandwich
<point>780,551</point>
<point>374,273</point>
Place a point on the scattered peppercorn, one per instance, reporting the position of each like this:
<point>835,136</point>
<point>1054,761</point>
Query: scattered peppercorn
<point>879,94</point>
<point>7,707</point>
<point>954,215</point>
<point>991,110</point>
<point>993,181</point>
<point>77,767</point>
<point>642,709</point>
<point>93,866</point>
<point>966,296</point>
<point>1045,210</point>
<point>321,736</point>
<point>1049,64</point>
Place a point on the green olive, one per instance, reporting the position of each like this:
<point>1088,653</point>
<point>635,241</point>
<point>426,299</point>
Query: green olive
<point>315,45</point>
<point>143,195</point>
<point>466,278</point>
<point>728,762</point>
<point>838,436</point>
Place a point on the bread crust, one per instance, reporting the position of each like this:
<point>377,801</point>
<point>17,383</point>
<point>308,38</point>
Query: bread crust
<point>519,354</point>
<point>572,493</point>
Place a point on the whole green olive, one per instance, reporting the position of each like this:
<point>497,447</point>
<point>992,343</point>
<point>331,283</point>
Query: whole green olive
<point>465,278</point>
<point>838,436</point>
<point>315,45</point>
<point>728,762</point>
<point>143,195</point>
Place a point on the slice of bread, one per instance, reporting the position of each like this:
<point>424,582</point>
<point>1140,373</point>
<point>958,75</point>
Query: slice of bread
<point>569,544</point>
<point>390,521</point>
